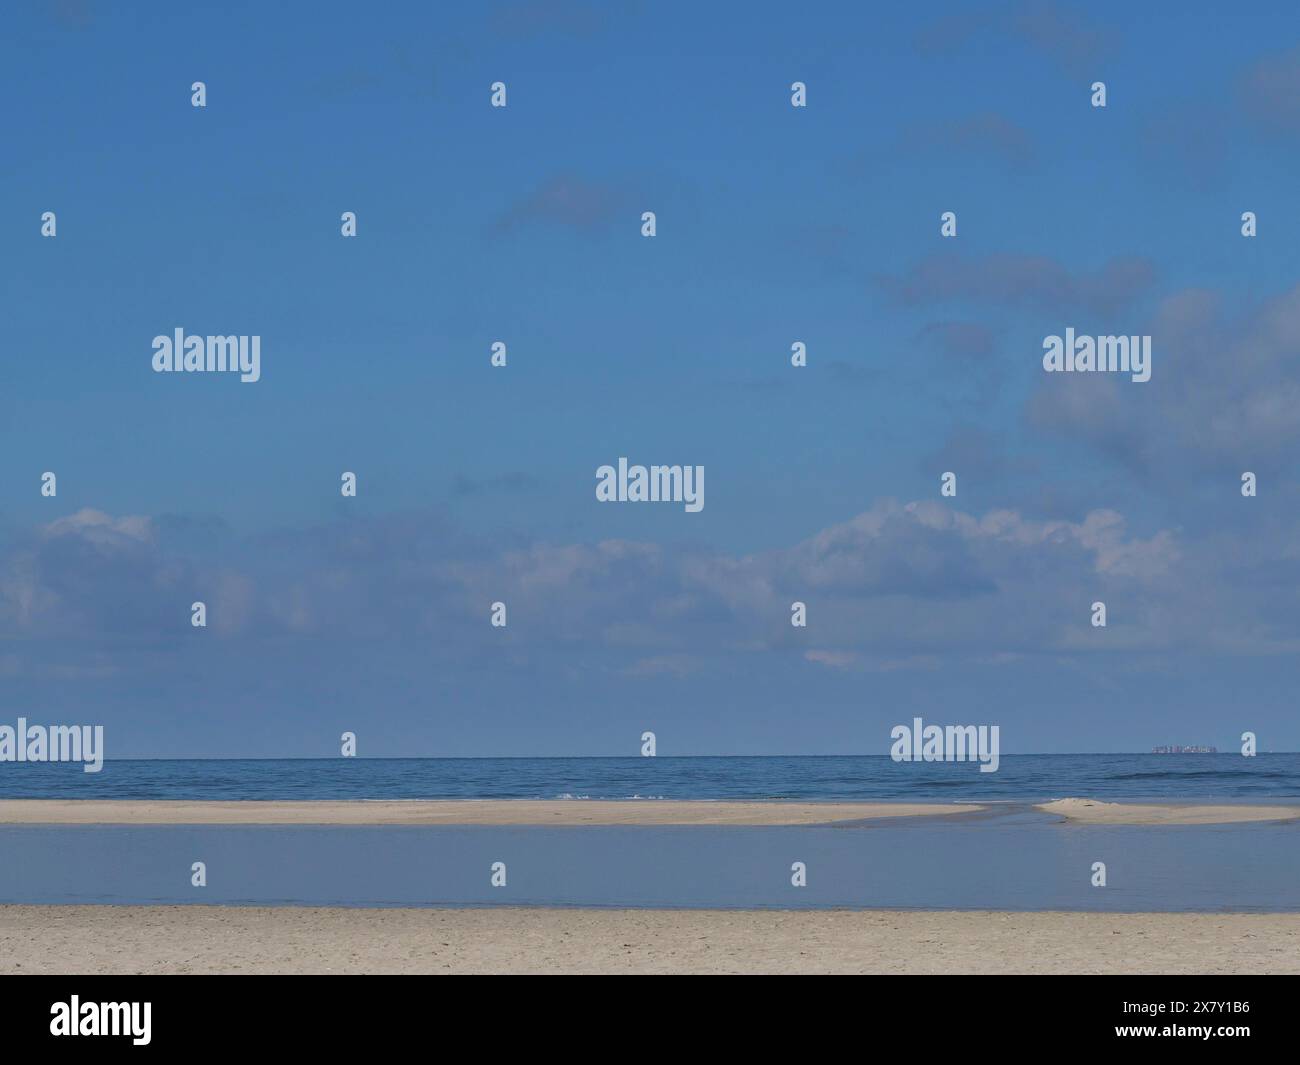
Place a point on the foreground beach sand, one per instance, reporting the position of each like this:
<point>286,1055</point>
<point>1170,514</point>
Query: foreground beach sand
<point>217,939</point>
<point>455,812</point>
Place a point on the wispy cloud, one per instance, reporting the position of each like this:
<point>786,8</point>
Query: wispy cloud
<point>987,133</point>
<point>1064,36</point>
<point>569,201</point>
<point>1015,280</point>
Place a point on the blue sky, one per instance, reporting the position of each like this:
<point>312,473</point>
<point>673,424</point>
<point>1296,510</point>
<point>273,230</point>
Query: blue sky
<point>775,224</point>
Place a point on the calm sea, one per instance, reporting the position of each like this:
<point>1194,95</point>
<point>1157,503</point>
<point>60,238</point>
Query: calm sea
<point>1025,778</point>
<point>1009,856</point>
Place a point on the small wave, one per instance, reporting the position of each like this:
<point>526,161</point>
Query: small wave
<point>608,798</point>
<point>1233,774</point>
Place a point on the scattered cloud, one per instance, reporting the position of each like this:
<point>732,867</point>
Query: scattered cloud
<point>1270,92</point>
<point>1223,394</point>
<point>962,341</point>
<point>566,200</point>
<point>1024,281</point>
<point>503,484</point>
<point>1062,35</point>
<point>72,14</point>
<point>896,581</point>
<point>535,18</point>
<point>988,133</point>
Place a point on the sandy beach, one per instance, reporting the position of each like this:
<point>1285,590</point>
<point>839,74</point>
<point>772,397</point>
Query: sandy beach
<point>217,939</point>
<point>1092,812</point>
<point>457,812</point>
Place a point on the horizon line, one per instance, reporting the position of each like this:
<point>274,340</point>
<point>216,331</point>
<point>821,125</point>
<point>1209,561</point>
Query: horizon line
<point>637,757</point>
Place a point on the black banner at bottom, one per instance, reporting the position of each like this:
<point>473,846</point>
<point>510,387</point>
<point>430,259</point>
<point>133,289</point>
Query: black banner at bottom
<point>343,1013</point>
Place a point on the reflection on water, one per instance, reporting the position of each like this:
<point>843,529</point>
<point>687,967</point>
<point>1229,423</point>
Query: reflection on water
<point>1008,859</point>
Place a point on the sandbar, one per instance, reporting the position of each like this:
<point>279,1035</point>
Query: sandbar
<point>559,812</point>
<point>1093,812</point>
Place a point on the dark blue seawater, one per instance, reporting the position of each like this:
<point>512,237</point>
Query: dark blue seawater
<point>1025,778</point>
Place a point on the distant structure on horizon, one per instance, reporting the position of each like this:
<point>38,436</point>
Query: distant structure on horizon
<point>1177,749</point>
